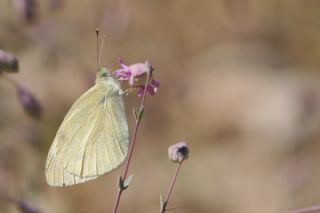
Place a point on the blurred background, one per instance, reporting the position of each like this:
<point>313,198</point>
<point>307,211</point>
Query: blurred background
<point>239,83</point>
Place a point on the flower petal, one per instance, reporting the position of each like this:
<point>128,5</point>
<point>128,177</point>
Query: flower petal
<point>151,90</point>
<point>155,83</point>
<point>137,69</point>
<point>141,91</point>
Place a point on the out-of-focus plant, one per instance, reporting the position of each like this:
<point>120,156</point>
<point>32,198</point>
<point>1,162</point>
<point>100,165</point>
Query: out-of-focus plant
<point>27,9</point>
<point>22,205</point>
<point>9,64</point>
<point>29,102</point>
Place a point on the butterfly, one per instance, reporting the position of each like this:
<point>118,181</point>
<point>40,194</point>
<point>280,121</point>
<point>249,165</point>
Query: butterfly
<point>93,138</point>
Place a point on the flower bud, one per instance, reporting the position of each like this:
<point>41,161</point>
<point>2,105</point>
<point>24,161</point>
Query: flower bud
<point>29,103</point>
<point>8,62</point>
<point>178,152</point>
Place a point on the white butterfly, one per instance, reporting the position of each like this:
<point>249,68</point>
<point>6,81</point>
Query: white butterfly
<point>93,138</point>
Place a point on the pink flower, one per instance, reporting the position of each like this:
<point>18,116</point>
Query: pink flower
<point>132,72</point>
<point>151,88</point>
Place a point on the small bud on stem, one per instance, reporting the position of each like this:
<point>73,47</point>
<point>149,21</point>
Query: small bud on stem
<point>178,152</point>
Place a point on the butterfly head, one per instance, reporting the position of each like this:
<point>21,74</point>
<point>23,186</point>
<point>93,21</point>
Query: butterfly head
<point>105,79</point>
<point>103,73</point>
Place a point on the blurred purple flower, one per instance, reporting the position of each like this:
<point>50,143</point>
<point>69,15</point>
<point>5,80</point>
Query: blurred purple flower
<point>27,9</point>
<point>29,102</point>
<point>8,62</point>
<point>178,152</point>
<point>132,72</point>
<point>22,205</point>
<point>26,208</point>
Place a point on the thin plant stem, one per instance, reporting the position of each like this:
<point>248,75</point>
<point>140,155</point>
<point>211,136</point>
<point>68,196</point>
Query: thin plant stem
<point>163,208</point>
<point>132,143</point>
<point>311,209</point>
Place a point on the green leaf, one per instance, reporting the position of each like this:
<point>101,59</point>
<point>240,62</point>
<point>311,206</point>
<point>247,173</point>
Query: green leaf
<point>140,114</point>
<point>127,181</point>
<point>135,114</point>
<point>161,203</point>
<point>121,183</point>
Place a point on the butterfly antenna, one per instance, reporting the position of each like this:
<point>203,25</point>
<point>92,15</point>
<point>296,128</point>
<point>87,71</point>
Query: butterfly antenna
<point>98,57</point>
<point>100,51</point>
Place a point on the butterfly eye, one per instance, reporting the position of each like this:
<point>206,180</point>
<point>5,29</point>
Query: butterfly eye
<point>104,75</point>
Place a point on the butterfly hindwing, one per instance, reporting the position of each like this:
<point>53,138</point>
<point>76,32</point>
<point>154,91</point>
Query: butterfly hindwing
<point>92,139</point>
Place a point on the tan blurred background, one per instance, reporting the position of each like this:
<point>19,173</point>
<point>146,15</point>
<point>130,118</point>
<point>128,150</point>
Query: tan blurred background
<point>239,83</point>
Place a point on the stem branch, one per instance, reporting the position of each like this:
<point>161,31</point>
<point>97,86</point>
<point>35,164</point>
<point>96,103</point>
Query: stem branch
<point>131,146</point>
<point>163,209</point>
<point>311,209</point>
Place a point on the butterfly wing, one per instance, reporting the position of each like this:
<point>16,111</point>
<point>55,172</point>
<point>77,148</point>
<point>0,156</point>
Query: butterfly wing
<point>92,139</point>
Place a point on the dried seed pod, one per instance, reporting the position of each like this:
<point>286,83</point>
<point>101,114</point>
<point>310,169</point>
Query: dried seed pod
<point>8,62</point>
